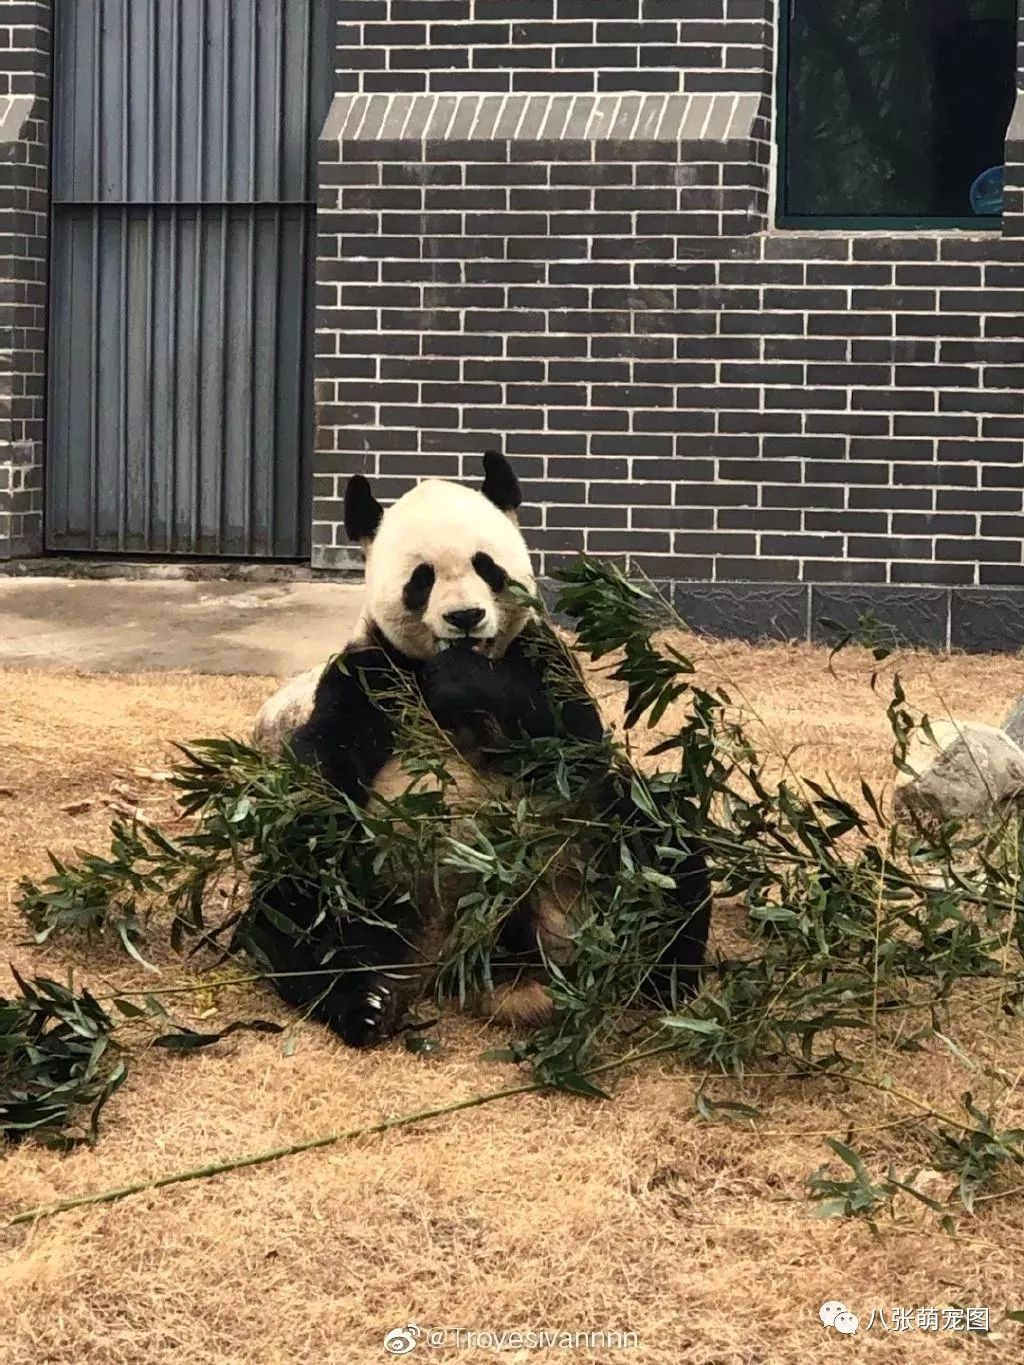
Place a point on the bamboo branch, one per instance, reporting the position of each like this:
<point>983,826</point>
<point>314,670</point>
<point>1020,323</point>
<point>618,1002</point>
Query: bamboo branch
<point>309,1145</point>
<point>262,1158</point>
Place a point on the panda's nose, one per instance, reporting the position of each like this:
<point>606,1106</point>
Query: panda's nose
<point>466,618</point>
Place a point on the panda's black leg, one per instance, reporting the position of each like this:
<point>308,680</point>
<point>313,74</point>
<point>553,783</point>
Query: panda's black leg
<point>686,908</point>
<point>677,975</point>
<point>356,1006</point>
<point>517,950</point>
<point>331,973</point>
<point>366,1016</point>
<point>518,935</point>
<point>366,1005</point>
<point>458,685</point>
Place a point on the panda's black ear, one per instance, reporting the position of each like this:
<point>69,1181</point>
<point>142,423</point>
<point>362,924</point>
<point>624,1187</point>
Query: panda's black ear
<point>500,483</point>
<point>362,510</point>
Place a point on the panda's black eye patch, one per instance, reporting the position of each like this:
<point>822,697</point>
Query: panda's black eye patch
<point>493,574</point>
<point>416,593</point>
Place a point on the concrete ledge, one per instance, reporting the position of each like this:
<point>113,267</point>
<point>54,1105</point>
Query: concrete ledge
<point>121,626</point>
<point>541,118</point>
<point>14,114</point>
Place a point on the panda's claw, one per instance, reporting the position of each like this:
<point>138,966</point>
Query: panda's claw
<point>361,1030</point>
<point>368,1020</point>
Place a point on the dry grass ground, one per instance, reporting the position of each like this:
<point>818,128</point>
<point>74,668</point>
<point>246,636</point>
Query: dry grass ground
<point>538,1212</point>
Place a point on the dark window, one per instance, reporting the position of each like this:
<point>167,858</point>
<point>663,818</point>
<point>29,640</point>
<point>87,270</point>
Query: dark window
<point>895,109</point>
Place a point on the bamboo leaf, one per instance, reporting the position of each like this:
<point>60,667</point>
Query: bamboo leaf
<point>188,1040</point>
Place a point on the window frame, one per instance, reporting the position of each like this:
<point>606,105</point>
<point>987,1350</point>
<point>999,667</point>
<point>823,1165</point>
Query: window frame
<point>843,223</point>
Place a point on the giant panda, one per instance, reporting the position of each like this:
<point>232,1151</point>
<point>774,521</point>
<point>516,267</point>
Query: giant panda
<point>440,612</point>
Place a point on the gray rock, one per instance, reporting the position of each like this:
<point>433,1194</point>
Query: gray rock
<point>1013,725</point>
<point>971,769</point>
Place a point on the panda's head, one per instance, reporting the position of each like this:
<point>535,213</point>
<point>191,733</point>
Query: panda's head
<point>439,561</point>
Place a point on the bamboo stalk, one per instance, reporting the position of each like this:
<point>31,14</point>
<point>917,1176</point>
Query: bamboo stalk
<point>310,1144</point>
<point>263,1158</point>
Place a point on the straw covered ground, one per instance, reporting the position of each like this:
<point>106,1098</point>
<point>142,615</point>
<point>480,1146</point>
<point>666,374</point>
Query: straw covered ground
<point>542,1212</point>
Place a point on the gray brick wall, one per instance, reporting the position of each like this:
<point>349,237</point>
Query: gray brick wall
<point>552,45</point>
<point>781,426</point>
<point>25,27</point>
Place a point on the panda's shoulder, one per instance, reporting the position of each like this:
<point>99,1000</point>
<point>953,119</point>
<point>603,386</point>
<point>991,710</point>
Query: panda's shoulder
<point>326,688</point>
<point>355,702</point>
<point>282,714</point>
<point>359,674</point>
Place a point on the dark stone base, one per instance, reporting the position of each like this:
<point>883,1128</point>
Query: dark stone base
<point>744,611</point>
<point>905,616</point>
<point>975,620</point>
<point>987,620</point>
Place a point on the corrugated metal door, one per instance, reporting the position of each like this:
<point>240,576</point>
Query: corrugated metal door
<point>180,403</point>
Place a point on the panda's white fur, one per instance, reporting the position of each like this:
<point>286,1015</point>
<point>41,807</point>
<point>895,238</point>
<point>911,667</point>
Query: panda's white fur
<point>444,525</point>
<point>524,1002</point>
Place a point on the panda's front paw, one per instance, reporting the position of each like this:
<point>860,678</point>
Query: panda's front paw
<point>368,1020</point>
<point>458,682</point>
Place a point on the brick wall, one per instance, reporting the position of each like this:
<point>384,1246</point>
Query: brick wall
<point>782,427</point>
<point>552,45</point>
<point>25,28</point>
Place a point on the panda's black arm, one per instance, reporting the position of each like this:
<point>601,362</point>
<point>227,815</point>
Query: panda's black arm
<point>350,734</point>
<point>512,691</point>
<point>324,965</point>
<point>532,706</point>
<point>539,652</point>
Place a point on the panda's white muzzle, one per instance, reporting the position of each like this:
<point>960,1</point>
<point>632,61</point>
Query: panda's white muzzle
<point>476,644</point>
